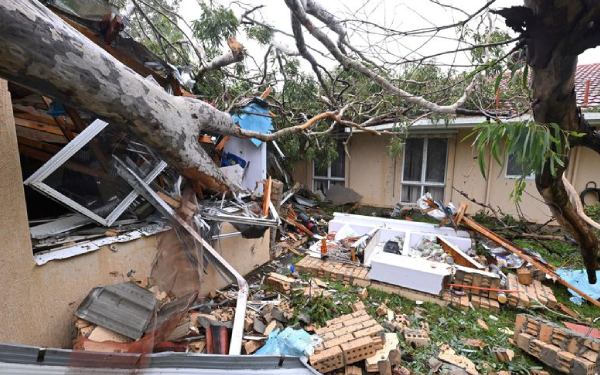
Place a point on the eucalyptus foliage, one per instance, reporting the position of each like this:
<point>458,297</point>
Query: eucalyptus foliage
<point>215,25</point>
<point>531,145</point>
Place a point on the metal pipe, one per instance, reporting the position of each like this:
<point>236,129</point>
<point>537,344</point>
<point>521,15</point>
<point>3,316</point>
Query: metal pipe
<point>223,339</point>
<point>217,260</point>
<point>209,341</point>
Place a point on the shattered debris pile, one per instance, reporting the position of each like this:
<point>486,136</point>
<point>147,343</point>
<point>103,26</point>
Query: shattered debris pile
<point>135,317</point>
<point>348,339</point>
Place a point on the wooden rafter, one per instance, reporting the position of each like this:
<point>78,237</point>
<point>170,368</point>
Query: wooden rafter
<point>60,122</point>
<point>37,154</point>
<point>38,126</point>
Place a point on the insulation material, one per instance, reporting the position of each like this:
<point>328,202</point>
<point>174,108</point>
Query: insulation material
<point>172,269</point>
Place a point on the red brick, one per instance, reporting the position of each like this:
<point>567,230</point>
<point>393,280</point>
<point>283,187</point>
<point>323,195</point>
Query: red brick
<point>338,340</point>
<point>360,349</point>
<point>328,360</point>
<point>371,331</point>
<point>358,319</point>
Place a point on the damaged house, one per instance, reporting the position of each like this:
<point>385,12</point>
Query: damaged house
<point>439,158</point>
<point>139,223</point>
<point>70,222</point>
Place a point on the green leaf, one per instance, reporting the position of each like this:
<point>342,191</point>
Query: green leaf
<point>482,68</point>
<point>498,81</point>
<point>526,77</point>
<point>481,160</point>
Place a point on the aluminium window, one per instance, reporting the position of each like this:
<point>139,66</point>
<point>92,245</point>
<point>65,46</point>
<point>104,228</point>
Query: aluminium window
<point>88,189</point>
<point>514,169</point>
<point>424,168</point>
<point>333,174</point>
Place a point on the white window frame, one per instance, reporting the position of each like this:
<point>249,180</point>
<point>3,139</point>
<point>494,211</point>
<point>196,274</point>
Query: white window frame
<point>36,180</point>
<point>422,183</point>
<point>530,176</point>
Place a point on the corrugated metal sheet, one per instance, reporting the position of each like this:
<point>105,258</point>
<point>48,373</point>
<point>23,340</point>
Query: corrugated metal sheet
<point>17,359</point>
<point>124,308</point>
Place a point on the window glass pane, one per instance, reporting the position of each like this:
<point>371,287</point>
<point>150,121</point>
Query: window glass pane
<point>413,159</point>
<point>83,180</point>
<point>410,193</point>
<point>320,185</point>
<point>320,171</point>
<point>436,159</point>
<point>512,167</point>
<point>338,165</point>
<point>437,192</point>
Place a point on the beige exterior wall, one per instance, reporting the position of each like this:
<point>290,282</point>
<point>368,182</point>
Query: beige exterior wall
<point>494,191</point>
<point>371,172</point>
<point>302,172</point>
<point>37,302</point>
<point>245,255</point>
<point>377,177</point>
<point>585,166</point>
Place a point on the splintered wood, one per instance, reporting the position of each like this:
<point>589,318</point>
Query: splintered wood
<point>558,347</point>
<point>346,340</point>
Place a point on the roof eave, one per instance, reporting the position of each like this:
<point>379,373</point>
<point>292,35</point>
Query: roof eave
<point>465,123</point>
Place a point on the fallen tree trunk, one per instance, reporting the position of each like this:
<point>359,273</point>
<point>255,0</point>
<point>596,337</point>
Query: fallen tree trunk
<point>40,51</point>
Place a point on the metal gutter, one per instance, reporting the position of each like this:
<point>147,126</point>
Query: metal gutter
<point>217,260</point>
<point>21,359</point>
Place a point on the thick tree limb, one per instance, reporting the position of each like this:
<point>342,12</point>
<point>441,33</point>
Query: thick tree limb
<point>235,55</point>
<point>298,128</point>
<point>549,27</point>
<point>300,14</point>
<point>40,51</point>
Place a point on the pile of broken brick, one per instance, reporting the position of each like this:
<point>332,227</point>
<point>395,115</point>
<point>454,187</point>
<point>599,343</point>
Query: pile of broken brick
<point>350,343</point>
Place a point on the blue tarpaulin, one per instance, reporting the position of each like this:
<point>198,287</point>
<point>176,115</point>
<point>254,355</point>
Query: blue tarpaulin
<point>578,278</point>
<point>255,117</point>
<point>289,342</point>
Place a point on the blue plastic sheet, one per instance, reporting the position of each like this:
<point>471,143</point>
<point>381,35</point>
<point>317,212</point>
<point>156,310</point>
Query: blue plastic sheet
<point>255,117</point>
<point>232,159</point>
<point>289,342</point>
<point>578,278</point>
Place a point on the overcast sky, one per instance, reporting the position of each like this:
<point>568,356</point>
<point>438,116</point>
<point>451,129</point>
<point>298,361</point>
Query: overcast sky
<point>395,14</point>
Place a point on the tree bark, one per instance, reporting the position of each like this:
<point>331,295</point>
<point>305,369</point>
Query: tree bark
<point>554,35</point>
<point>40,51</point>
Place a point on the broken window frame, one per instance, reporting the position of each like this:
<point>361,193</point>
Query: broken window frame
<point>423,183</point>
<point>36,180</point>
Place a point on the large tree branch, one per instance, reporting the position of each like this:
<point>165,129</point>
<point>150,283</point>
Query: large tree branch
<point>236,54</point>
<point>298,128</point>
<point>43,53</point>
<point>300,14</point>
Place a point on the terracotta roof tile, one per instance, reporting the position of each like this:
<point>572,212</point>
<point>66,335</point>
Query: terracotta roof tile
<point>584,73</point>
